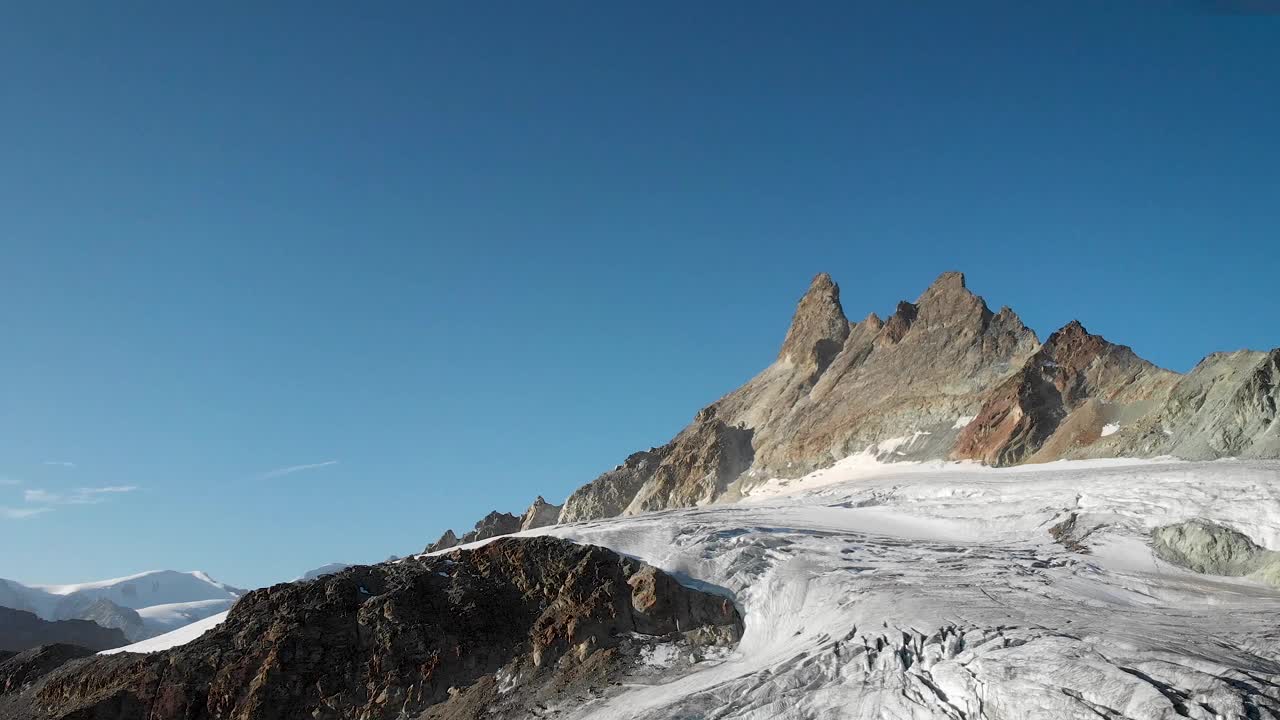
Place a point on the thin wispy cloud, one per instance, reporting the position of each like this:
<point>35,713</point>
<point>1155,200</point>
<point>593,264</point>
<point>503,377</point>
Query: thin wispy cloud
<point>9,513</point>
<point>9,481</point>
<point>40,496</point>
<point>59,463</point>
<point>281,472</point>
<point>79,496</point>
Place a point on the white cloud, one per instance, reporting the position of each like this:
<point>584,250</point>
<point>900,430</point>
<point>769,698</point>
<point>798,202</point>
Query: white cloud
<point>40,496</point>
<point>9,513</point>
<point>79,496</point>
<point>9,481</point>
<point>60,463</point>
<point>281,472</point>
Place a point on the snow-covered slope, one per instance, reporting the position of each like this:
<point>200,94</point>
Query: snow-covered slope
<point>160,619</point>
<point>181,636</point>
<point>937,591</point>
<point>156,587</point>
<point>164,600</point>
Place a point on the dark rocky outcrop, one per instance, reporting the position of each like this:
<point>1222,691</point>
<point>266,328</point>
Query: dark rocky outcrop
<point>21,630</point>
<point>20,669</point>
<point>429,637</point>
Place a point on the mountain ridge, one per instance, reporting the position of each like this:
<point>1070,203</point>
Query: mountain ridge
<point>839,388</point>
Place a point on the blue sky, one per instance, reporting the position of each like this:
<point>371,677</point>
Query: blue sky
<point>437,259</point>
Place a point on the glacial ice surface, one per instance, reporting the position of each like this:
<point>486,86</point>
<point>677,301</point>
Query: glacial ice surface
<point>936,591</point>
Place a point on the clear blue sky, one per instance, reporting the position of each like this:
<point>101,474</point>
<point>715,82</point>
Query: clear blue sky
<point>477,254</point>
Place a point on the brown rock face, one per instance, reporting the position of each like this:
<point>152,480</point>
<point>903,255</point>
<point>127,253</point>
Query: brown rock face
<point>418,638</point>
<point>818,329</point>
<point>1072,367</point>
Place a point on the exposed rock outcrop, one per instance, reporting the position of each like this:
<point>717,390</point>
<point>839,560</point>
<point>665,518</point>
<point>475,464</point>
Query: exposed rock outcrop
<point>491,525</point>
<point>540,514</point>
<point>446,541</point>
<point>1070,369</point>
<point>21,630</point>
<point>1225,407</point>
<point>818,329</point>
<point>20,669</point>
<point>486,632</point>
<point>611,493</point>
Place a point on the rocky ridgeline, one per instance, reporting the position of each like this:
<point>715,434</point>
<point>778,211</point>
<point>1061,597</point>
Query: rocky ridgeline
<point>489,632</point>
<point>943,377</point>
<point>21,630</point>
<point>540,514</point>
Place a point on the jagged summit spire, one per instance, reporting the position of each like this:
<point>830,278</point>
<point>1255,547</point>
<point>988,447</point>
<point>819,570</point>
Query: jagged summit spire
<point>953,279</point>
<point>950,286</point>
<point>1075,327</point>
<point>818,328</point>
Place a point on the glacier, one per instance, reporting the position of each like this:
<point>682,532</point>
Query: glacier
<point>936,590</point>
<point>954,590</point>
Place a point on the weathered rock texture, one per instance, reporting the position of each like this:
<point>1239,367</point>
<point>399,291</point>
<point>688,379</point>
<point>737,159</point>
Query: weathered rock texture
<point>1208,547</point>
<point>431,637</point>
<point>20,669</point>
<point>21,630</point>
<point>611,493</point>
<point>943,377</point>
<point>540,514</point>
<point>1225,407</point>
<point>491,525</point>
<point>1071,369</point>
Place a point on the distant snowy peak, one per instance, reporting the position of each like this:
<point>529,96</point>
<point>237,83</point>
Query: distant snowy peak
<point>323,570</point>
<point>154,587</point>
<point>141,605</point>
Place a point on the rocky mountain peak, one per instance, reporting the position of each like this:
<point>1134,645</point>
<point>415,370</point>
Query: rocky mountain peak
<point>540,514</point>
<point>896,327</point>
<point>949,303</point>
<point>818,328</point>
<point>949,281</point>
